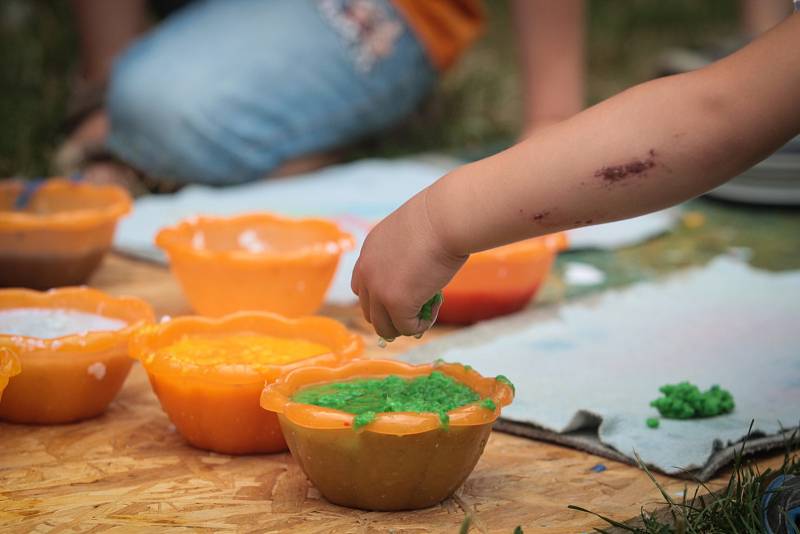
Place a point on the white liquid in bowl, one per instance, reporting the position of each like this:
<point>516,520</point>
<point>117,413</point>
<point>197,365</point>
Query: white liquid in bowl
<point>48,323</point>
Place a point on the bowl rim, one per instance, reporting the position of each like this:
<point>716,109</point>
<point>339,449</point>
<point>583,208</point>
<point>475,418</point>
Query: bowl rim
<point>9,362</point>
<point>119,204</point>
<point>276,397</point>
<point>169,239</point>
<point>146,342</point>
<point>137,313</point>
<point>9,367</point>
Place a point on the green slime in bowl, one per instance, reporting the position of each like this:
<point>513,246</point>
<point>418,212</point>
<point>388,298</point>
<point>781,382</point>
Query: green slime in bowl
<point>365,398</point>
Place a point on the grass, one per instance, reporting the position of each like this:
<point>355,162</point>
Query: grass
<point>737,508</point>
<point>474,110</point>
<point>36,60</point>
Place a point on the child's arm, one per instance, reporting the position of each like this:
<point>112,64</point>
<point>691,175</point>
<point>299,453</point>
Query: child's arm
<point>652,146</point>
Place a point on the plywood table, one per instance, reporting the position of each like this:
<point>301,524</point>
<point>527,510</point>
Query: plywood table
<point>128,471</point>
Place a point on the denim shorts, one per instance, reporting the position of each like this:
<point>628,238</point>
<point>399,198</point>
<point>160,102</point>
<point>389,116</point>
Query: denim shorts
<point>224,91</point>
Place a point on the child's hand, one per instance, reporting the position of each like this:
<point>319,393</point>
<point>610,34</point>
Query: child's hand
<point>403,263</point>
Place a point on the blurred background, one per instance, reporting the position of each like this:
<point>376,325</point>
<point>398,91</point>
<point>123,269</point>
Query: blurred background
<point>474,111</point>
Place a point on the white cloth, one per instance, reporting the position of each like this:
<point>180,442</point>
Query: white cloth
<point>605,358</point>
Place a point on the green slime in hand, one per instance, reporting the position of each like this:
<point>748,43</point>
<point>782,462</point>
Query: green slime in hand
<point>426,312</point>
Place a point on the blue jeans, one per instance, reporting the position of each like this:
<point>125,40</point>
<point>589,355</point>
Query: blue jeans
<point>224,91</point>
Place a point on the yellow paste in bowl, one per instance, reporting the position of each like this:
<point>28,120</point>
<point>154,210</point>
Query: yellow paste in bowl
<point>256,351</point>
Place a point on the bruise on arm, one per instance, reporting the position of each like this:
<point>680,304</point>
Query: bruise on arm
<point>635,168</point>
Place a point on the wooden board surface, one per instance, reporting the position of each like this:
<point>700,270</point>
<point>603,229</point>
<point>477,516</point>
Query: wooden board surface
<point>128,471</point>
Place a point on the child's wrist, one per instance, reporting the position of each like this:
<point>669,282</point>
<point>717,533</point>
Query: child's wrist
<point>441,207</point>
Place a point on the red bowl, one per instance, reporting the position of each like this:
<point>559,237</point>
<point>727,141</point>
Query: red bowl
<point>499,281</point>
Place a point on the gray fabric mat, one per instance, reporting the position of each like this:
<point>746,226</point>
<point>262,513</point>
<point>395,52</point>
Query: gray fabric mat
<point>588,440</point>
<point>586,371</point>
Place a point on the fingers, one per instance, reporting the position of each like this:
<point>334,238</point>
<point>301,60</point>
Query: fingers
<point>407,322</point>
<point>381,321</point>
<point>390,317</point>
<point>358,287</point>
<point>435,311</point>
<point>424,325</point>
<point>355,278</point>
<point>405,314</point>
<point>364,300</point>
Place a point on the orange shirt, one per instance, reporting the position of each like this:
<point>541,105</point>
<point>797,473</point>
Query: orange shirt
<point>445,27</point>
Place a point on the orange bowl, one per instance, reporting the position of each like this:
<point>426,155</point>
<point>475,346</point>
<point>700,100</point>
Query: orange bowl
<point>215,405</point>
<point>9,366</point>
<point>254,262</point>
<point>399,461</point>
<point>62,234</point>
<point>72,377</point>
<point>499,281</point>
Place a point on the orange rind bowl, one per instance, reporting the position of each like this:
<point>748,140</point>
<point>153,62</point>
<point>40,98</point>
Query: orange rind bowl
<point>400,461</point>
<point>257,261</point>
<point>72,377</point>
<point>216,407</point>
<point>9,366</point>
<point>61,236</point>
<point>499,281</point>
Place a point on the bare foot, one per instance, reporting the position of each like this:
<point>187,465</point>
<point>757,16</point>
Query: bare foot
<point>111,173</point>
<point>84,153</point>
<point>87,137</point>
<point>93,129</point>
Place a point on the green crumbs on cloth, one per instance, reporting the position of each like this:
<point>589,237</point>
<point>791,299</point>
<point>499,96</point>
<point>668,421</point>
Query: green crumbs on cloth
<point>686,401</point>
<point>653,422</point>
<point>365,398</point>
